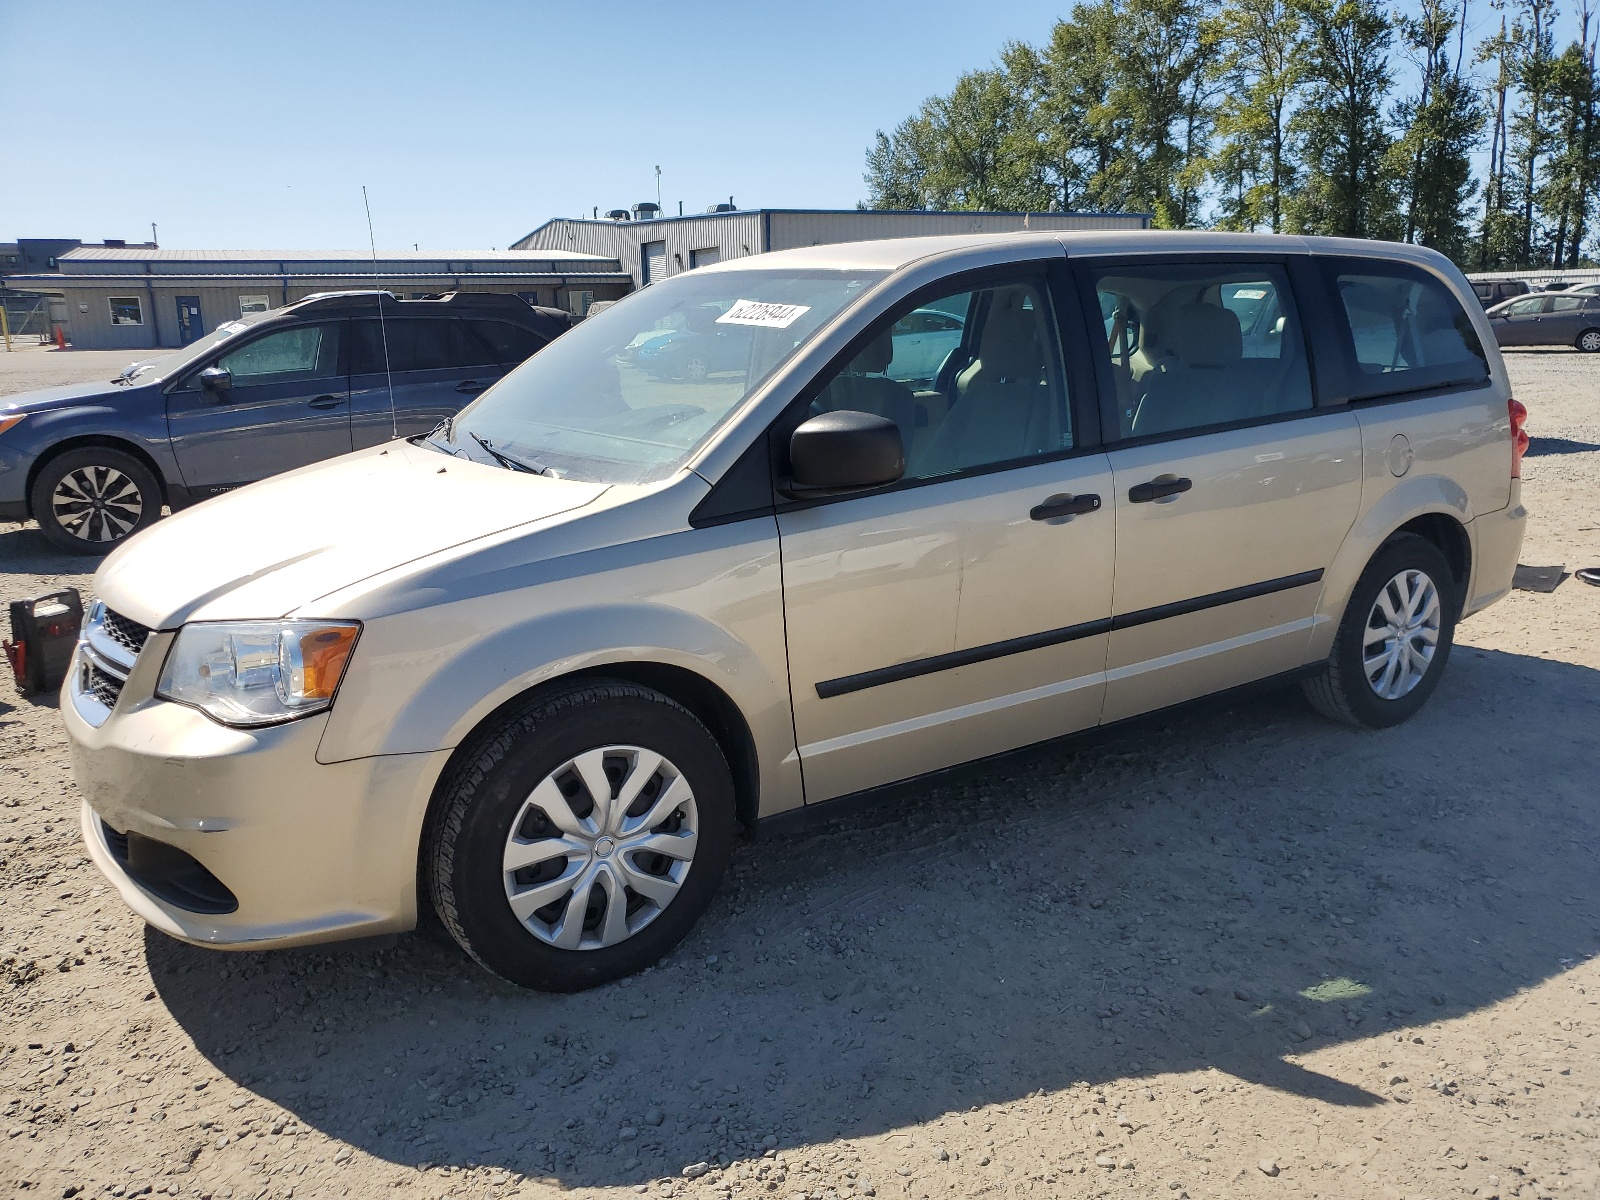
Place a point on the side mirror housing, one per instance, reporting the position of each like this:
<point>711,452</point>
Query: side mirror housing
<point>216,380</point>
<point>846,451</point>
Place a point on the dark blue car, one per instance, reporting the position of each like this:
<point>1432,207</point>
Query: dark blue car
<point>95,463</point>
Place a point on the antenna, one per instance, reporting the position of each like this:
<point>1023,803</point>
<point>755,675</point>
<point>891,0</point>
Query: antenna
<point>383,329</point>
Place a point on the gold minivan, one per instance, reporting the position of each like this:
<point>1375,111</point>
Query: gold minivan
<point>930,500</point>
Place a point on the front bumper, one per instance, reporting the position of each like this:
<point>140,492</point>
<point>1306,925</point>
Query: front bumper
<point>313,852</point>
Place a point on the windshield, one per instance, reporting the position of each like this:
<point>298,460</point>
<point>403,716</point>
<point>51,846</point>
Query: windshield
<point>169,365</point>
<point>630,394</point>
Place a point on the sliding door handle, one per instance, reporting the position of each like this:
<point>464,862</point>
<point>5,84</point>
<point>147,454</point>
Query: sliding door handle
<point>1065,504</point>
<point>1158,488</point>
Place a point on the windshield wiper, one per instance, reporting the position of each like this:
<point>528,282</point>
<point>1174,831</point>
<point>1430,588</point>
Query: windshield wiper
<point>505,460</point>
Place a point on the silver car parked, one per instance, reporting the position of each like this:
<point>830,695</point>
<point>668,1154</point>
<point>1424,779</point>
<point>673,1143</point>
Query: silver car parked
<point>547,659</point>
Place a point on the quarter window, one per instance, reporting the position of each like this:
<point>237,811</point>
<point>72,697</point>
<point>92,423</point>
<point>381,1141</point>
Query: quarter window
<point>126,310</point>
<point>511,343</point>
<point>1408,330</point>
<point>1192,347</point>
<point>973,379</point>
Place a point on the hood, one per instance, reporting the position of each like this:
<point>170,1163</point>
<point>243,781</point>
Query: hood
<point>267,549</point>
<point>62,397</point>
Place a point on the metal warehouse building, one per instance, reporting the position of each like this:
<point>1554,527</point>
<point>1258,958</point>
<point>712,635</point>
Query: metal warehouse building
<point>140,298</point>
<point>652,247</point>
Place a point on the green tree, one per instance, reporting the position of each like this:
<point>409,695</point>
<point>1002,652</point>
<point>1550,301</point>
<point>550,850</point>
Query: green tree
<point>1442,124</point>
<point>1341,136</point>
<point>1498,239</point>
<point>1531,137</point>
<point>1574,171</point>
<point>1260,63</point>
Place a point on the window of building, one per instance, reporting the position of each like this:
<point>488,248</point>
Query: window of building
<point>1199,346</point>
<point>253,304</point>
<point>1408,330</point>
<point>126,310</point>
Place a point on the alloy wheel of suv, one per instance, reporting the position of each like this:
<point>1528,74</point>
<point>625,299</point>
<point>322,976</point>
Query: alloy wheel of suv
<point>90,500</point>
<point>579,838</point>
<point>1589,340</point>
<point>1394,640</point>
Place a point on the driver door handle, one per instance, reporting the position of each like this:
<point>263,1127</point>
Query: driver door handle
<point>469,386</point>
<point>325,402</point>
<point>1064,504</point>
<point>1158,488</point>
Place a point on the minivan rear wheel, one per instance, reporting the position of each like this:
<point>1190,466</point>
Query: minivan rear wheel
<point>579,839</point>
<point>1394,639</point>
<point>92,499</point>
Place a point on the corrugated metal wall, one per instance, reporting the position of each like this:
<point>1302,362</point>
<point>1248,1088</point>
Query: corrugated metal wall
<point>732,235</point>
<point>737,234</point>
<point>794,229</point>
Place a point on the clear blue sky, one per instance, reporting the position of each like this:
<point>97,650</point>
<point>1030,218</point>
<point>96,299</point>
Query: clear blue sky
<point>254,126</point>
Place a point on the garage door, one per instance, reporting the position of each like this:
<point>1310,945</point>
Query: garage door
<point>654,255</point>
<point>705,257</point>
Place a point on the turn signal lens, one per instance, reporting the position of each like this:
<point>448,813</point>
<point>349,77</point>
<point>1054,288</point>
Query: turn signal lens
<point>7,420</point>
<point>310,665</point>
<point>1519,435</point>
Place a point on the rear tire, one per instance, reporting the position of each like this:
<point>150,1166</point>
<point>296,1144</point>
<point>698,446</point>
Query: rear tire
<point>91,500</point>
<point>1381,671</point>
<point>599,892</point>
<point>1589,341</point>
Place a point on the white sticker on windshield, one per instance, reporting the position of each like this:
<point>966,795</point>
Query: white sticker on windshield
<point>762,314</point>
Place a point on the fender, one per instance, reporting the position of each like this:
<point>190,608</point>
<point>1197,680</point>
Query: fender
<point>140,421</point>
<point>1405,500</point>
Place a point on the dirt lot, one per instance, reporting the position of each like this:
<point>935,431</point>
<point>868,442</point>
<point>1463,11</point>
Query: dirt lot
<point>1244,953</point>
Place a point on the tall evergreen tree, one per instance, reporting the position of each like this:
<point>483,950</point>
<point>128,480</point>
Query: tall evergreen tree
<point>1498,239</point>
<point>1530,134</point>
<point>1342,139</point>
<point>1574,173</point>
<point>1260,61</point>
<point>1441,123</point>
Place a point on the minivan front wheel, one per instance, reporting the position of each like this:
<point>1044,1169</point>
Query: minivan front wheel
<point>92,499</point>
<point>1394,639</point>
<point>580,839</point>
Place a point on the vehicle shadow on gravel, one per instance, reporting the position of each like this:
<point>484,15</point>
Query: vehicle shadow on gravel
<point>1231,888</point>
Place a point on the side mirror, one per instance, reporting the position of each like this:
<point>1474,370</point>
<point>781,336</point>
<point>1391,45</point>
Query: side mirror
<point>216,380</point>
<point>840,452</point>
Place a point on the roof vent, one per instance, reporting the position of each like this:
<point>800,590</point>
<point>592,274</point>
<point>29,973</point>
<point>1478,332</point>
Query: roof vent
<point>716,208</point>
<point>118,242</point>
<point>618,214</point>
<point>645,210</point>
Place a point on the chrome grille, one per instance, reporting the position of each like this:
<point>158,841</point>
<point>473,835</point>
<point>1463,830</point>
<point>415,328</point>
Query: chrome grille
<point>102,685</point>
<point>107,651</point>
<point>126,633</point>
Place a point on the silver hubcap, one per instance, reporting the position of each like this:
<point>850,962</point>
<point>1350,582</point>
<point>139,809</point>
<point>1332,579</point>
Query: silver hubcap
<point>1402,635</point>
<point>697,369</point>
<point>97,504</point>
<point>600,847</point>
<point>1591,341</point>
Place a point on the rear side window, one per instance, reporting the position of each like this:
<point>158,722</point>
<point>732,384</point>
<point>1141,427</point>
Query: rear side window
<point>418,344</point>
<point>1197,346</point>
<point>1407,330</point>
<point>512,343</point>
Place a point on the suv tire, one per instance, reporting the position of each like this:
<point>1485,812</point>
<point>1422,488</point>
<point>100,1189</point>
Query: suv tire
<point>1389,684</point>
<point>92,499</point>
<point>670,787</point>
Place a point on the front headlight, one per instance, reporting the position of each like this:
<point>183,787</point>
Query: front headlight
<point>257,672</point>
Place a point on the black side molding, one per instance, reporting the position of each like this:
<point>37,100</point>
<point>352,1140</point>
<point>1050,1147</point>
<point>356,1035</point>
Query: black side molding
<point>829,688</point>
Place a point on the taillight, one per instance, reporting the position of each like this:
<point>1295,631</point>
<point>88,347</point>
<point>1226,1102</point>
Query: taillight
<point>1519,435</point>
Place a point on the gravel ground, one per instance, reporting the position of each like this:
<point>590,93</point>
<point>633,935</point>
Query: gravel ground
<point>1238,953</point>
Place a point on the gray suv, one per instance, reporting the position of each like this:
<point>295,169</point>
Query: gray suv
<point>94,463</point>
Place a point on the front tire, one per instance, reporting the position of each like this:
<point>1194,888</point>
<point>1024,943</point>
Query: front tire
<point>91,500</point>
<point>1394,639</point>
<point>580,839</point>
